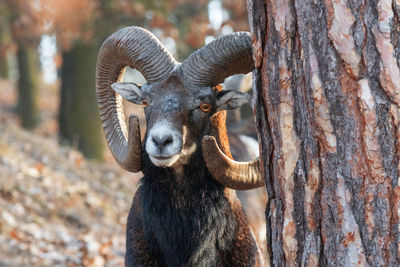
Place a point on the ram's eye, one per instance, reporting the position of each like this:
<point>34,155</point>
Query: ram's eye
<point>145,102</point>
<point>205,107</point>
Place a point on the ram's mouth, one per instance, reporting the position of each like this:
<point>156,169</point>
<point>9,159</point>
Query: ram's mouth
<point>161,158</point>
<point>161,161</point>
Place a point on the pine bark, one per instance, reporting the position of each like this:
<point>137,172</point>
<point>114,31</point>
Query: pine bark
<point>78,118</point>
<point>327,104</point>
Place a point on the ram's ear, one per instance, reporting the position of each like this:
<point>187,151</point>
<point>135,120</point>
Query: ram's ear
<point>228,99</point>
<point>128,91</point>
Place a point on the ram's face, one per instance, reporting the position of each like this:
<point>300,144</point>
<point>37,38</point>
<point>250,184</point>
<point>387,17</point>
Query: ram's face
<point>178,100</point>
<point>177,117</point>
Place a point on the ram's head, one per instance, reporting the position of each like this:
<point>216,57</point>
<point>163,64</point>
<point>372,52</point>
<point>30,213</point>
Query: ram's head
<point>179,100</point>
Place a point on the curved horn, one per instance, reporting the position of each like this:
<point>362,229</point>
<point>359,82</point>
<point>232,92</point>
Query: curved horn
<point>232,174</point>
<point>139,49</point>
<point>227,55</point>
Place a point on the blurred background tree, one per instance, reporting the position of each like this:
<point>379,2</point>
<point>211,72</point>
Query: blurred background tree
<point>79,27</point>
<point>22,19</point>
<point>5,42</point>
<point>73,23</point>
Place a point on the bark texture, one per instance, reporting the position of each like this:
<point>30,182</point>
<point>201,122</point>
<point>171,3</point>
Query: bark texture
<point>327,103</point>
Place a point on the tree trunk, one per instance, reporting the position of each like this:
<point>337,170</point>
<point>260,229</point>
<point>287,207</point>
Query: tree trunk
<point>27,107</point>
<point>79,119</point>
<point>327,102</point>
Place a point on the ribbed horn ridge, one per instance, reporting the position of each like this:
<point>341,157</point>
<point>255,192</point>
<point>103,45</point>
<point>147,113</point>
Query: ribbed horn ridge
<point>137,48</point>
<point>230,173</point>
<point>227,55</point>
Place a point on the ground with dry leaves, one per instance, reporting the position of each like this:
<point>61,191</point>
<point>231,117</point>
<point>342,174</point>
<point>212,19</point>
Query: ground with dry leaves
<point>56,208</point>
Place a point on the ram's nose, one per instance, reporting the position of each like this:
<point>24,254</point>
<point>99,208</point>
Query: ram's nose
<point>162,141</point>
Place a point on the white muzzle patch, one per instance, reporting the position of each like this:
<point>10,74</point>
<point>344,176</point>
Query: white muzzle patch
<point>163,144</point>
<point>173,151</point>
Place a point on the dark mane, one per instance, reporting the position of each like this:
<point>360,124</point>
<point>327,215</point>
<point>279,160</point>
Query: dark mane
<point>189,220</point>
